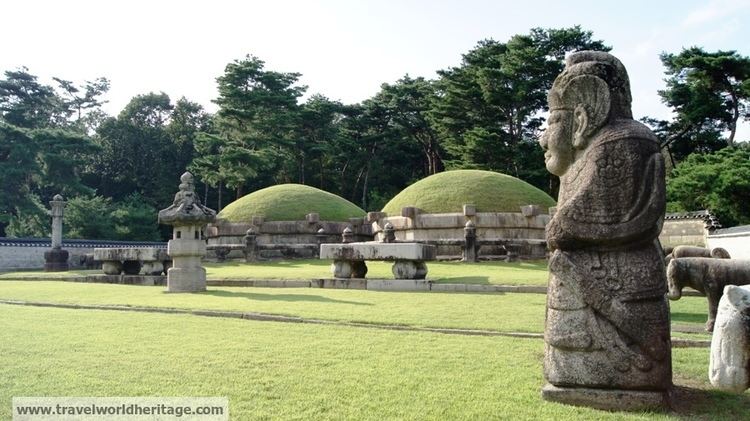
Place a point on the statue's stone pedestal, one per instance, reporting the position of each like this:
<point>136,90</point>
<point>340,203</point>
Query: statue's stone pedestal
<point>56,260</point>
<point>186,274</point>
<point>608,399</point>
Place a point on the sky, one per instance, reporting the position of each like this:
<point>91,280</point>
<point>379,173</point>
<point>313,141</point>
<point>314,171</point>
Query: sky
<point>344,49</point>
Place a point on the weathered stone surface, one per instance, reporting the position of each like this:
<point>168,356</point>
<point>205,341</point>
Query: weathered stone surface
<point>695,251</point>
<point>607,324</point>
<point>470,210</point>
<point>56,259</point>
<point>377,251</point>
<point>410,212</point>
<point>186,209</point>
<point>349,269</point>
<point>407,269</point>
<point>608,399</point>
<point>312,218</point>
<point>152,268</point>
<point>143,254</point>
<point>729,368</point>
<point>344,283</point>
<point>389,233</point>
<point>708,276</point>
<point>187,246</point>
<point>530,210</point>
<point>470,252</point>
<point>375,216</point>
<point>128,279</point>
<point>397,285</point>
<point>112,267</point>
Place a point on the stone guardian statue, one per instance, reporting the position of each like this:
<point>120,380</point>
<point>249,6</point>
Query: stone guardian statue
<point>607,338</point>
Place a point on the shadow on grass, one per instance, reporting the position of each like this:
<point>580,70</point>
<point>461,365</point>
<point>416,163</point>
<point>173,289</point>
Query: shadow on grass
<point>698,404</point>
<point>689,317</point>
<point>473,280</point>
<point>280,297</point>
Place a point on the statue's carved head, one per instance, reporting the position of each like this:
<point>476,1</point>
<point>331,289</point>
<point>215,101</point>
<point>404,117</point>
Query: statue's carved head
<point>592,91</point>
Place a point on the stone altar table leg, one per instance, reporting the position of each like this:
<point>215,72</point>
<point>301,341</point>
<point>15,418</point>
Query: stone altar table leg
<point>409,269</point>
<point>131,267</point>
<point>349,269</point>
<point>112,267</point>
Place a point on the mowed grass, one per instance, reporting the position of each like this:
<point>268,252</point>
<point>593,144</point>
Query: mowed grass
<point>500,273</point>
<point>496,312</point>
<point>503,312</point>
<point>290,202</point>
<point>289,371</point>
<point>488,191</point>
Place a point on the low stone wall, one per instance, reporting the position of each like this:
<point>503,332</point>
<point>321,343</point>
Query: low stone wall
<point>28,253</point>
<point>282,239</point>
<point>524,230</point>
<point>735,240</point>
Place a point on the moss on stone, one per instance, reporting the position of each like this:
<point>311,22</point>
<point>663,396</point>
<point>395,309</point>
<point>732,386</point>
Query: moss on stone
<point>489,191</point>
<point>290,202</point>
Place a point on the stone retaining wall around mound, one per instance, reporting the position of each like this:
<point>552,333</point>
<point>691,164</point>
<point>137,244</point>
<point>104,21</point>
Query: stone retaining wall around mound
<point>524,231</point>
<point>282,239</point>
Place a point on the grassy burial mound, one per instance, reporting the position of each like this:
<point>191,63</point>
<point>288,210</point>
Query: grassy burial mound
<point>290,202</point>
<point>489,191</point>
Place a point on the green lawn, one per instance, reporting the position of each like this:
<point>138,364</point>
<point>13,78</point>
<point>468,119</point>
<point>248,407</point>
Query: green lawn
<point>290,371</point>
<point>500,273</point>
<point>487,190</point>
<point>498,312</point>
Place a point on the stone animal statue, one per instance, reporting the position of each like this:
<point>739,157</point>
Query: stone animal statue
<point>729,367</point>
<point>693,251</point>
<point>607,321</point>
<point>708,276</point>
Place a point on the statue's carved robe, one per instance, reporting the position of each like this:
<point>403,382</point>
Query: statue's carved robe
<point>607,315</point>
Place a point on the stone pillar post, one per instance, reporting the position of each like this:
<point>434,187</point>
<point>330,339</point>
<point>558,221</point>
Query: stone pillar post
<point>251,245</point>
<point>470,243</point>
<point>389,233</point>
<point>56,259</point>
<point>347,236</point>
<point>187,246</point>
<point>320,238</point>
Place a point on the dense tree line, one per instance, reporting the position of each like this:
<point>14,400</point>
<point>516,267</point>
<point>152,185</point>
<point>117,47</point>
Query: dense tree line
<point>487,113</point>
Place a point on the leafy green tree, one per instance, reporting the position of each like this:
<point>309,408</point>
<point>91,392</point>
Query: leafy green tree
<point>19,169</point>
<point>138,155</point>
<point>89,218</point>
<point>709,92</point>
<point>408,102</point>
<point>317,142</point>
<point>488,111</point>
<point>83,103</point>
<point>134,220</point>
<point>206,163</point>
<point>374,159</point>
<point>718,181</point>
<point>28,104</point>
<point>257,119</point>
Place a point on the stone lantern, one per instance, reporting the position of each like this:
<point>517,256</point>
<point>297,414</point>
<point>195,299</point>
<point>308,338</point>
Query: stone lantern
<point>56,259</point>
<point>187,246</point>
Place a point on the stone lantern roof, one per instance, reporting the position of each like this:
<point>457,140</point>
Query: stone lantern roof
<point>186,208</point>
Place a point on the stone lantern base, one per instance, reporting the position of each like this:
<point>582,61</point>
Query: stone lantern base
<point>56,260</point>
